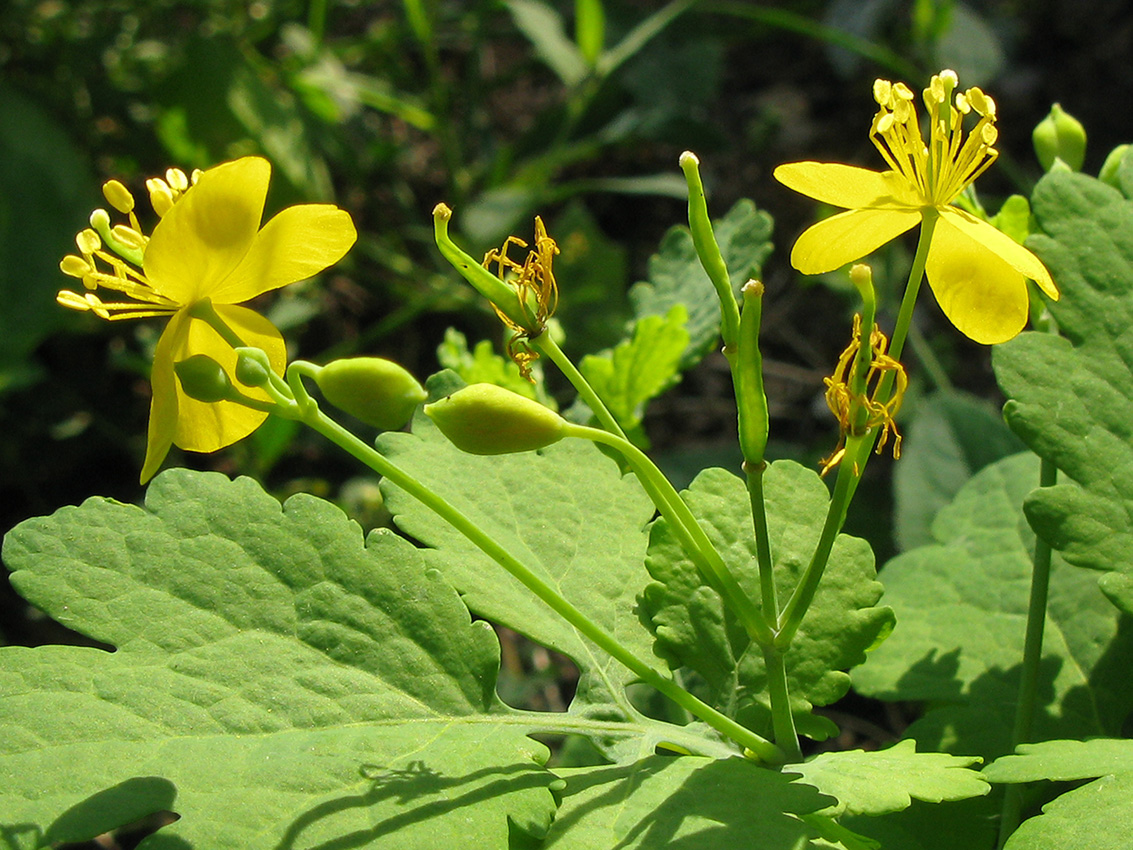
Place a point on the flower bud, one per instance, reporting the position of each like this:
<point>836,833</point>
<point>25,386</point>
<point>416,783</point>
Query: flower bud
<point>203,379</point>
<point>1060,136</point>
<point>1112,165</point>
<point>378,392</point>
<point>483,419</point>
<point>253,369</point>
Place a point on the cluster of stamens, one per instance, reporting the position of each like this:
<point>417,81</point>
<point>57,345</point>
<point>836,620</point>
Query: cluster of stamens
<point>848,406</point>
<point>951,160</point>
<point>109,255</point>
<point>534,284</point>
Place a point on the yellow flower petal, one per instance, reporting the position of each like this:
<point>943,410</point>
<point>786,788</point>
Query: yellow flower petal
<point>206,234</point>
<point>163,403</point>
<point>846,185</point>
<point>982,294</point>
<point>299,242</point>
<point>203,427</point>
<point>1014,254</point>
<point>849,236</point>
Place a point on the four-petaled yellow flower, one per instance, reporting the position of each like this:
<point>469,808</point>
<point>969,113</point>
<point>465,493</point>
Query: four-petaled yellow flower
<point>977,273</point>
<point>207,253</point>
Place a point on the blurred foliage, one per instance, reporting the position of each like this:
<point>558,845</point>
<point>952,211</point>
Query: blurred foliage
<point>573,109</point>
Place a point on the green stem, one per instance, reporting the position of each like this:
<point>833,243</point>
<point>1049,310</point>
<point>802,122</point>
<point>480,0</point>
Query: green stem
<point>782,719</point>
<point>1032,658</point>
<point>204,311</point>
<point>929,218</point>
<point>548,346</point>
<point>693,538</point>
<point>858,450</point>
<point>757,745</point>
<point>849,473</point>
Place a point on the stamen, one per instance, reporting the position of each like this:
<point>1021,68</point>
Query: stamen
<point>160,196</point>
<point>118,196</point>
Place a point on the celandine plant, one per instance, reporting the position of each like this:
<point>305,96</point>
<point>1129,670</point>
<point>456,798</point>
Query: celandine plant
<point>280,682</point>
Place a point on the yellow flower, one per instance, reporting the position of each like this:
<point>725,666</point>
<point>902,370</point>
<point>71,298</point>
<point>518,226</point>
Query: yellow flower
<point>977,273</point>
<point>207,250</point>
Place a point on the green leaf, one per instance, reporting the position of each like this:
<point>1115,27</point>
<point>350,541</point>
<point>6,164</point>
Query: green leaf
<point>1072,397</point>
<point>961,608</point>
<point>1106,805</point>
<point>565,511</point>
<point>693,630</point>
<point>639,369</point>
<point>543,27</point>
<point>883,781</point>
<point>293,685</point>
<point>687,803</point>
<point>1014,218</point>
<point>676,277</point>
<point>953,436</point>
<point>1063,761</point>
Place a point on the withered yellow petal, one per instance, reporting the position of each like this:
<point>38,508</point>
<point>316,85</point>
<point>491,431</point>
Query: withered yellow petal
<point>981,293</point>
<point>849,236</point>
<point>206,234</point>
<point>847,185</point>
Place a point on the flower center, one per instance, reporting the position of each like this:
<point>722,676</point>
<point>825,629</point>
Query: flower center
<point>942,169</point>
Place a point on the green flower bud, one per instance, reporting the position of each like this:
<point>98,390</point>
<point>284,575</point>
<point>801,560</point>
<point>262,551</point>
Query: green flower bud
<point>253,369</point>
<point>377,391</point>
<point>483,419</point>
<point>203,379</point>
<point>1060,136</point>
<point>1112,164</point>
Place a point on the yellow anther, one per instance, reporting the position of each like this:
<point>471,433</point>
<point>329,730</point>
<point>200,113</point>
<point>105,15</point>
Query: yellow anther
<point>902,92</point>
<point>177,180</point>
<point>73,266</point>
<point>160,195</point>
<point>118,196</point>
<point>882,91</point>
<point>129,237</point>
<point>88,242</point>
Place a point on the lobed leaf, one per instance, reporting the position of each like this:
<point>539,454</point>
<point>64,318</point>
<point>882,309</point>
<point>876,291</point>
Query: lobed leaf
<point>961,608</point>
<point>690,803</point>
<point>694,630</point>
<point>1071,397</point>
<point>676,276</point>
<point>883,781</point>
<point>275,681</point>
<point>566,512</point>
<point>639,369</point>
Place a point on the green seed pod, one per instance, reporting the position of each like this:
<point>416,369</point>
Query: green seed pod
<point>377,391</point>
<point>1060,136</point>
<point>483,419</point>
<point>203,379</point>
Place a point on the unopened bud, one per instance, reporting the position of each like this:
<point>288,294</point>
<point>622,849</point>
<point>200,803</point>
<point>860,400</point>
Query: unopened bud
<point>253,369</point>
<point>1112,165</point>
<point>379,392</point>
<point>203,379</point>
<point>1060,136</point>
<point>483,419</point>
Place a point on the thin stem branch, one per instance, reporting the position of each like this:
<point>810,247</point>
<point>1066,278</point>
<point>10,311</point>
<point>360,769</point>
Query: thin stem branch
<point>548,346</point>
<point>693,538</point>
<point>1032,659</point>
